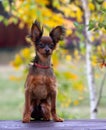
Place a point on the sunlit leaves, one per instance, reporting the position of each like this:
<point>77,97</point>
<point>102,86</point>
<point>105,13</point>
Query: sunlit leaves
<point>12,20</point>
<point>99,1</point>
<point>92,24</point>
<point>70,75</point>
<point>73,11</point>
<point>5,4</point>
<point>42,2</point>
<point>79,27</point>
<point>99,57</point>
<point>95,25</point>
<point>91,6</point>
<point>76,102</point>
<point>23,58</point>
<point>1,18</point>
<point>78,86</point>
<point>68,58</point>
<point>55,59</point>
<point>17,62</point>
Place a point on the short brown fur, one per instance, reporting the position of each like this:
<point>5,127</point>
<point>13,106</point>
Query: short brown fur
<point>40,85</point>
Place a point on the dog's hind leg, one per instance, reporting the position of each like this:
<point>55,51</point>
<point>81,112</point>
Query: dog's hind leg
<point>53,108</point>
<point>46,110</point>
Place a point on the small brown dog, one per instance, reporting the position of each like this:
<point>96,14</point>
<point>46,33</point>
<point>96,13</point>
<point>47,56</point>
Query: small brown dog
<point>40,86</point>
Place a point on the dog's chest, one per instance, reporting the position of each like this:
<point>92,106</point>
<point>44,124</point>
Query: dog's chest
<point>40,91</point>
<point>42,86</point>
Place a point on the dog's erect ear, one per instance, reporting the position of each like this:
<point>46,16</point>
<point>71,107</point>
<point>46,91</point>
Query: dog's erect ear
<point>36,31</point>
<point>57,33</point>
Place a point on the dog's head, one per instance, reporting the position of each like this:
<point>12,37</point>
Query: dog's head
<point>46,44</point>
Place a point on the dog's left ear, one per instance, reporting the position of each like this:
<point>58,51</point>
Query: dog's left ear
<point>57,33</point>
<point>36,31</point>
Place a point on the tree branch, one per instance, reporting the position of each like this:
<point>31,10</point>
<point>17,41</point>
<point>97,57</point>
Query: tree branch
<point>100,92</point>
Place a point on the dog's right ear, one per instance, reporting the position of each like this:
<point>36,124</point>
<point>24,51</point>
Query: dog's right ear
<point>36,31</point>
<point>57,33</point>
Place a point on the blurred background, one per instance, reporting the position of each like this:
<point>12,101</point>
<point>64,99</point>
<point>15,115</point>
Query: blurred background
<point>79,60</point>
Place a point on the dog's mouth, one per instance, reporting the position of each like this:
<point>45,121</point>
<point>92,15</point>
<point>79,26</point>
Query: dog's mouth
<point>46,54</point>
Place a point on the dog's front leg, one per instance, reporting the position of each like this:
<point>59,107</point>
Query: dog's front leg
<point>53,108</point>
<point>27,111</point>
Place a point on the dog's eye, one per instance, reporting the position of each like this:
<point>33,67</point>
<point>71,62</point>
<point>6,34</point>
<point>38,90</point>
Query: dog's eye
<point>51,46</point>
<point>41,45</point>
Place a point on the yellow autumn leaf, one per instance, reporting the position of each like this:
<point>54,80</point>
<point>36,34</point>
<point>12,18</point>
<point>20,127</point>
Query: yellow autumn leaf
<point>73,7</point>
<point>104,4</point>
<point>94,58</point>
<point>21,25</point>
<point>72,14</point>
<point>68,58</point>
<point>103,30</point>
<point>55,60</point>
<point>97,75</point>
<point>99,48</point>
<point>76,53</point>
<point>79,87</point>
<point>79,15</point>
<point>10,20</point>
<point>13,78</point>
<point>14,64</point>
<point>70,75</point>
<point>18,59</point>
<point>92,38</point>
<point>69,101</point>
<point>17,62</point>
<point>91,6</point>
<point>101,18</point>
<point>43,2</point>
<point>66,11</point>
<point>25,52</point>
<point>69,32</point>
<point>66,104</point>
<point>76,102</point>
<point>94,63</point>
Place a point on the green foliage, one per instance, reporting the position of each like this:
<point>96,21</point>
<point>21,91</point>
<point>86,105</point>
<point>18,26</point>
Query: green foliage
<point>99,1</point>
<point>80,27</point>
<point>1,18</point>
<point>92,24</point>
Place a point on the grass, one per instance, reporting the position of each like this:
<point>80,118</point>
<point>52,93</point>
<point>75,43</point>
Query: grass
<point>12,100</point>
<point>11,96</point>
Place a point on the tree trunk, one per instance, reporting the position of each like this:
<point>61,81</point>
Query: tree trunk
<point>91,82</point>
<point>89,68</point>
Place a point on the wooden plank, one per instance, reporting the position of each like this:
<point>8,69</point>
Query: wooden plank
<point>50,125</point>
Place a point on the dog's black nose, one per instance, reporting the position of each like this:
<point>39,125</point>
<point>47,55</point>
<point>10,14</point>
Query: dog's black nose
<point>47,50</point>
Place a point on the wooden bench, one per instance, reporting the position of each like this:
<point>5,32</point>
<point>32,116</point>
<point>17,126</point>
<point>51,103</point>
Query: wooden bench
<point>44,125</point>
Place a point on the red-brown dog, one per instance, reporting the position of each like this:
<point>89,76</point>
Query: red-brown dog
<point>40,86</point>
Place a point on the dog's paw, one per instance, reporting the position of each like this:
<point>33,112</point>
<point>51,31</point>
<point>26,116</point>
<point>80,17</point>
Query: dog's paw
<point>46,118</point>
<point>58,119</point>
<point>26,119</point>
